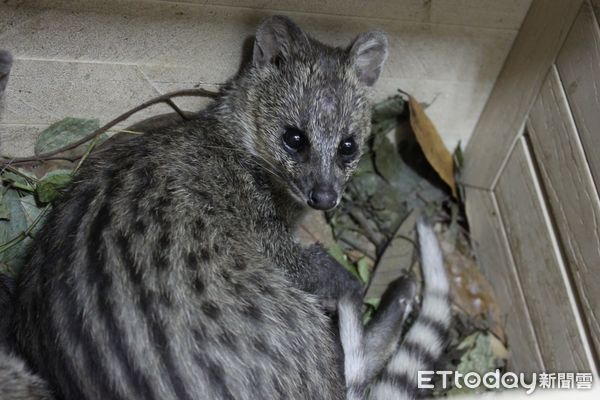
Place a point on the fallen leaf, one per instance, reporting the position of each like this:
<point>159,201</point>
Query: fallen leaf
<point>64,132</point>
<point>396,259</point>
<point>4,210</point>
<point>430,141</point>
<point>19,179</point>
<point>389,109</point>
<point>48,188</point>
<point>338,253</point>
<point>481,355</point>
<point>14,256</point>
<point>30,209</point>
<point>364,269</point>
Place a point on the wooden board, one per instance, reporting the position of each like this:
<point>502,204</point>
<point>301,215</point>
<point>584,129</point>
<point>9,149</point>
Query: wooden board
<point>571,194</point>
<point>538,265</point>
<point>579,68</point>
<point>596,7</point>
<point>534,50</point>
<point>494,259</point>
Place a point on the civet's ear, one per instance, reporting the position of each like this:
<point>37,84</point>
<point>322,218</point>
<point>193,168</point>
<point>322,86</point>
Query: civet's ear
<point>276,37</point>
<point>367,54</point>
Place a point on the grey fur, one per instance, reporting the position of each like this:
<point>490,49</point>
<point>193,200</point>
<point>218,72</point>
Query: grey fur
<point>168,268</point>
<point>16,381</point>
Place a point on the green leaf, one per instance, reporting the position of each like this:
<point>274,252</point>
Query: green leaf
<point>479,356</point>
<point>383,127</point>
<point>30,208</point>
<point>48,188</point>
<point>5,270</point>
<point>364,269</point>
<point>64,132</point>
<point>14,256</point>
<point>373,302</point>
<point>20,179</point>
<point>389,109</point>
<point>4,210</point>
<point>367,183</point>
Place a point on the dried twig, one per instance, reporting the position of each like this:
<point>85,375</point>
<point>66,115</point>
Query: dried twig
<point>368,227</point>
<point>165,98</point>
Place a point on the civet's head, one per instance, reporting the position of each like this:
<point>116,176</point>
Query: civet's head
<point>307,107</point>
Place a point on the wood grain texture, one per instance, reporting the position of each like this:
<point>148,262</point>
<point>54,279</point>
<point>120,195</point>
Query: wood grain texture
<point>571,194</point>
<point>538,266</point>
<point>578,64</point>
<point>596,7</point>
<point>533,53</point>
<point>493,257</point>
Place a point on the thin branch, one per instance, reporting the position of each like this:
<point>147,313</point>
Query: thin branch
<point>24,234</point>
<point>165,98</point>
<point>86,154</point>
<point>177,109</point>
<point>371,233</point>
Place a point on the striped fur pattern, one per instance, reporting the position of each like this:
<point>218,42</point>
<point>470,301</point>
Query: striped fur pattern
<point>168,269</point>
<point>420,348</point>
<point>366,350</point>
<point>16,381</point>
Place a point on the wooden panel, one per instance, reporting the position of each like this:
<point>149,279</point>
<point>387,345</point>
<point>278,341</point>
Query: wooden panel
<point>596,7</point>
<point>496,263</point>
<point>579,68</point>
<point>538,265</point>
<point>572,196</point>
<point>535,48</point>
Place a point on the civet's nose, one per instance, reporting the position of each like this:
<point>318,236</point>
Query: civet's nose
<point>322,198</point>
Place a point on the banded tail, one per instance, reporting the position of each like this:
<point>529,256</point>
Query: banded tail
<point>420,349</point>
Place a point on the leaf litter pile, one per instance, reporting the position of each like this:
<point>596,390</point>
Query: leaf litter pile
<point>405,171</point>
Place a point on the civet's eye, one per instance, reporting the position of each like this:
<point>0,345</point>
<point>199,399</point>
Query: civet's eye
<point>294,140</point>
<point>348,148</point>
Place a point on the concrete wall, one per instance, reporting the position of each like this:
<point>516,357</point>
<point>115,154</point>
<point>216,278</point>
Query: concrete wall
<point>96,59</point>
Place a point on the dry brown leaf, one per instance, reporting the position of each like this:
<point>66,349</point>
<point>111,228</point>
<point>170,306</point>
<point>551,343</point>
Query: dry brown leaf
<point>471,291</point>
<point>432,145</point>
